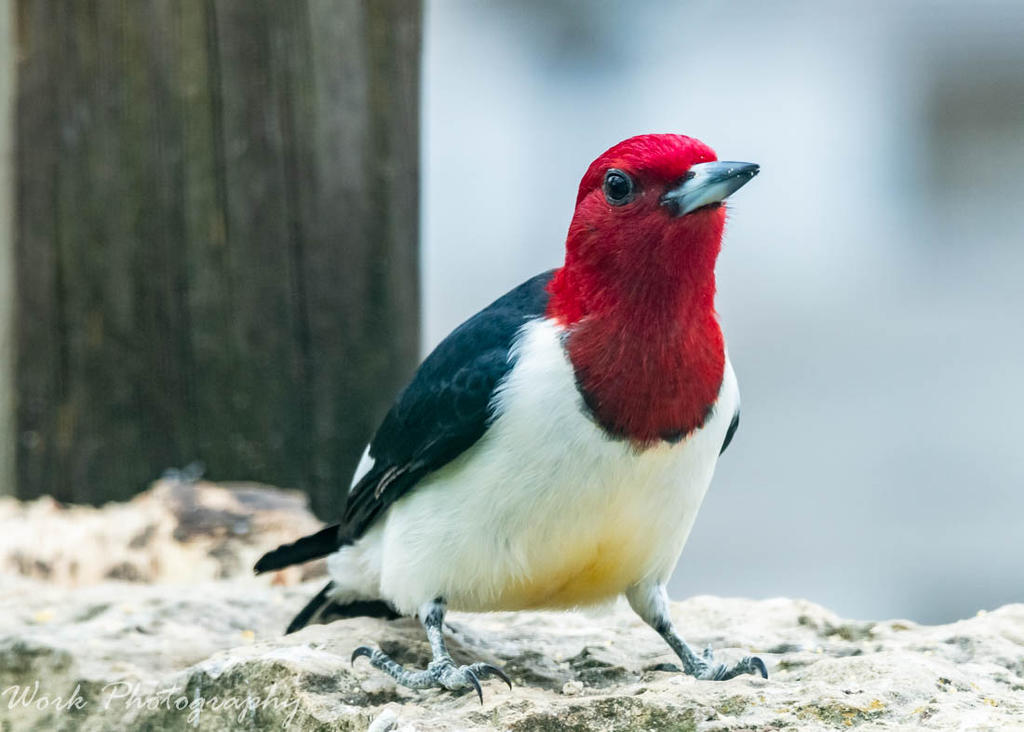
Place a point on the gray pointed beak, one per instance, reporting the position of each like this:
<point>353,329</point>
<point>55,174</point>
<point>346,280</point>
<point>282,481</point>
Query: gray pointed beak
<point>708,183</point>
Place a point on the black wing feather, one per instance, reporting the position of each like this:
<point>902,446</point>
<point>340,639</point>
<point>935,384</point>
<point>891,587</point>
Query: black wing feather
<point>733,426</point>
<point>445,409</point>
<point>309,547</point>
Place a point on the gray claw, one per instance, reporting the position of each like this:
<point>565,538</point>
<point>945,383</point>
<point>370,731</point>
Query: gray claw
<point>361,651</point>
<point>476,683</point>
<point>757,664</point>
<point>486,669</point>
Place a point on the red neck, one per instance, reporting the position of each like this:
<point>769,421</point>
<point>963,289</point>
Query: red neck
<point>649,359</point>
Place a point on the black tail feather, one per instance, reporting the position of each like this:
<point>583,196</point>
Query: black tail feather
<point>358,609</point>
<point>320,544</point>
<point>312,607</point>
<point>322,609</point>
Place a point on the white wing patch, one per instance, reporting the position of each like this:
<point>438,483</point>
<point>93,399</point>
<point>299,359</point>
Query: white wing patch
<point>364,467</point>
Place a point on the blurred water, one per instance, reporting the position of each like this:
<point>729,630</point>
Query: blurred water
<point>871,281</point>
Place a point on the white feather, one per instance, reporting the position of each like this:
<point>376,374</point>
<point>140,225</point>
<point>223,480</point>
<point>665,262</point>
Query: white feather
<point>545,509</point>
<point>356,570</point>
<point>364,467</point>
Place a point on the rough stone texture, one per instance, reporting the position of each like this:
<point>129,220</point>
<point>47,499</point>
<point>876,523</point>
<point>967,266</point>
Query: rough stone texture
<point>179,530</point>
<point>572,671</point>
<point>213,647</point>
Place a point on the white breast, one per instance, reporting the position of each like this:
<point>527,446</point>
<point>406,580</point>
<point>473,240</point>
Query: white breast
<point>545,510</point>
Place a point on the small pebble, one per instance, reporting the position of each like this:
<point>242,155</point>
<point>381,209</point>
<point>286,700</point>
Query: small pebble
<point>572,688</point>
<point>386,721</point>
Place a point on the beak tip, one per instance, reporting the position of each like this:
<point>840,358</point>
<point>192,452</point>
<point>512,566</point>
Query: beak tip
<point>709,183</point>
<point>749,169</point>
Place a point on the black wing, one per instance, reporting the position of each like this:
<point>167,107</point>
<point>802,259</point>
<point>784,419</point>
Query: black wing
<point>733,425</point>
<point>445,408</point>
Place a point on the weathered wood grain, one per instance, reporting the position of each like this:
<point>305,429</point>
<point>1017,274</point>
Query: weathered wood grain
<point>7,402</point>
<point>216,241</point>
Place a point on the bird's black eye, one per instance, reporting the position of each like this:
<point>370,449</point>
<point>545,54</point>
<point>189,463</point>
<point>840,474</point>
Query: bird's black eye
<point>618,187</point>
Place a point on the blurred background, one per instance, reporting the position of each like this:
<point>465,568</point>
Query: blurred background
<point>219,252</point>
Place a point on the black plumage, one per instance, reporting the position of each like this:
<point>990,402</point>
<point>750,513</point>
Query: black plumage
<point>733,426</point>
<point>323,609</point>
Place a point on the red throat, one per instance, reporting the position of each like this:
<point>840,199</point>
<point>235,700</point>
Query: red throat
<point>636,295</point>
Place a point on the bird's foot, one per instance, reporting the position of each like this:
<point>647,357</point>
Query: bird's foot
<point>707,670</point>
<point>441,673</point>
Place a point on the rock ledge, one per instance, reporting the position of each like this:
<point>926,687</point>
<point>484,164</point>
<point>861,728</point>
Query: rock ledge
<point>209,656</point>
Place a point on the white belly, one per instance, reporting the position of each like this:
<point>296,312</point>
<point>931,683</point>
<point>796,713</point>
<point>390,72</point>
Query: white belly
<point>559,515</point>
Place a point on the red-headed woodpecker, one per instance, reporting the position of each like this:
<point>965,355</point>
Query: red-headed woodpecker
<point>554,449</point>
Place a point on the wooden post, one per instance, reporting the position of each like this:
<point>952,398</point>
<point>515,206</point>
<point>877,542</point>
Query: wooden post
<point>7,358</point>
<point>217,242</point>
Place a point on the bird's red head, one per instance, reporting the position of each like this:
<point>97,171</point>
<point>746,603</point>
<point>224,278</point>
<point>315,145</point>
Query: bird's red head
<point>647,227</point>
<point>637,288</point>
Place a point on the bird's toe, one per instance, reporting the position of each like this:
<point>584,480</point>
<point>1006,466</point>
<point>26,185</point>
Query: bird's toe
<point>710,671</point>
<point>455,678</point>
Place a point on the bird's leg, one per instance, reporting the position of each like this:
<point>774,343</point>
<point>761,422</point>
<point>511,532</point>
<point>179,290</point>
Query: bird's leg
<point>650,602</point>
<point>442,671</point>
